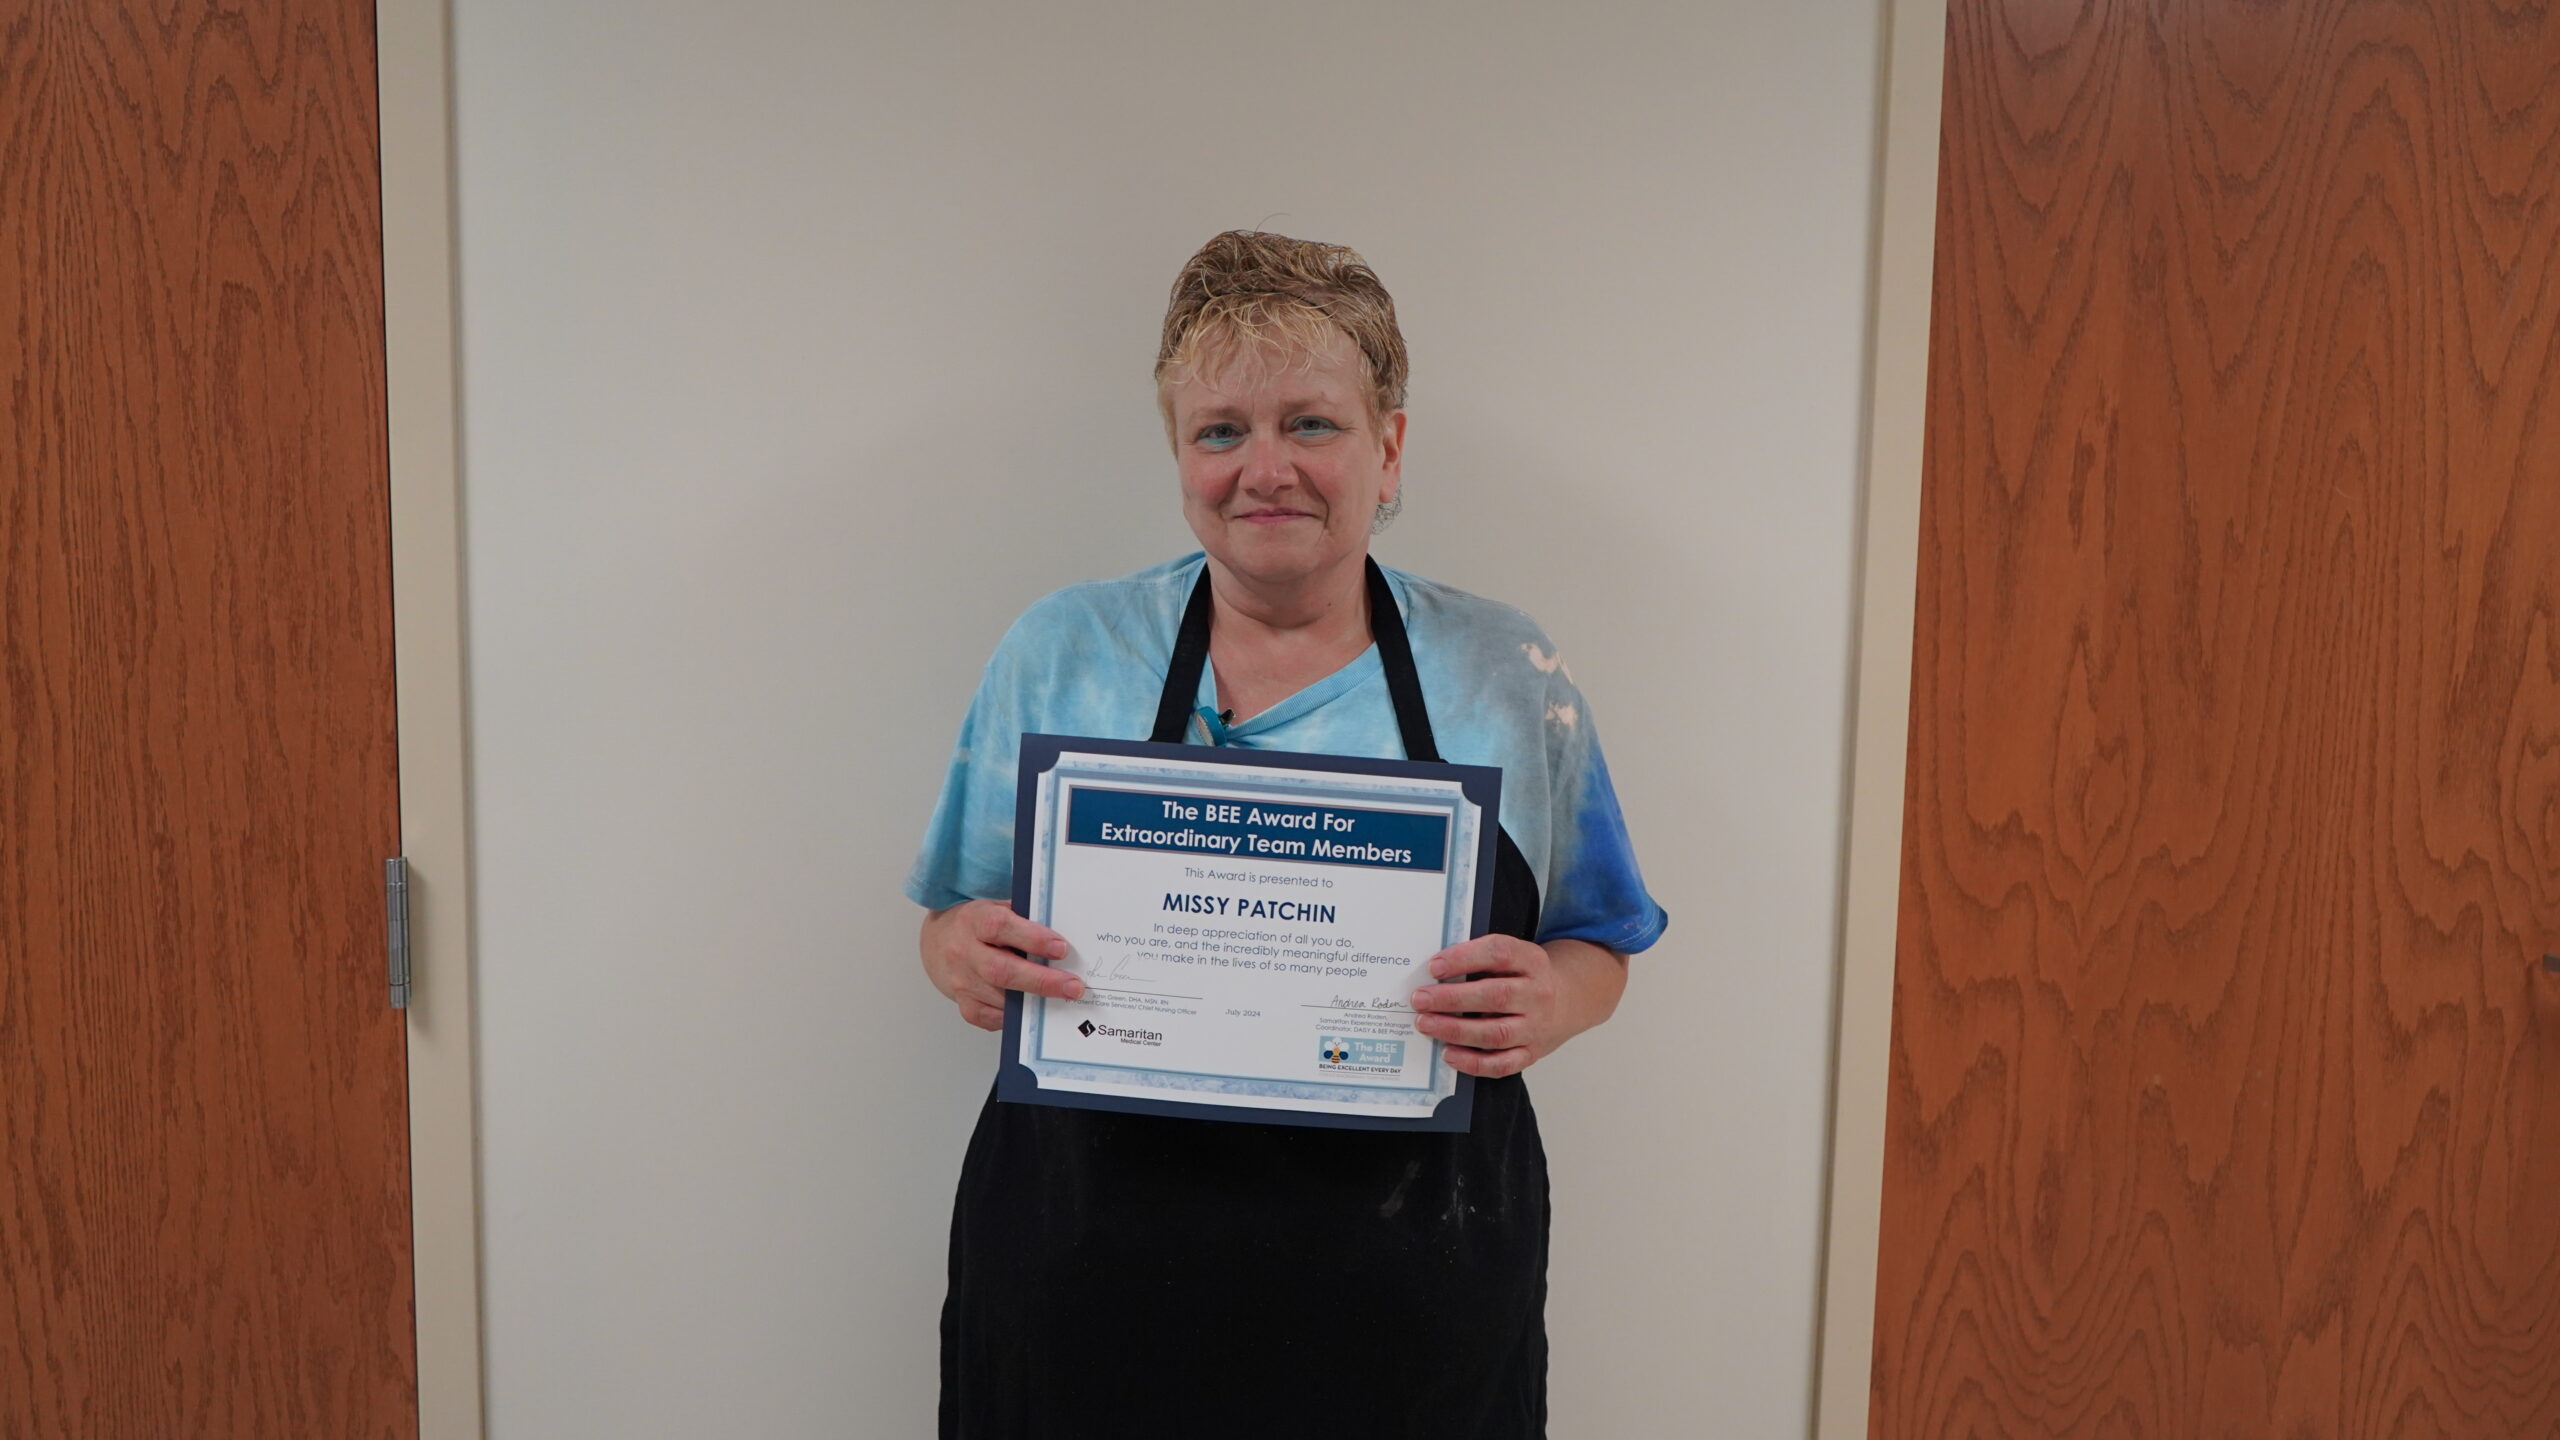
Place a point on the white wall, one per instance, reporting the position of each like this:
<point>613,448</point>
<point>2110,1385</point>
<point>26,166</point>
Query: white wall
<point>805,343</point>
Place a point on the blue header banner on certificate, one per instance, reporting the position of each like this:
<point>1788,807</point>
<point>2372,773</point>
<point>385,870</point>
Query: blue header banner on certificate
<point>1250,926</point>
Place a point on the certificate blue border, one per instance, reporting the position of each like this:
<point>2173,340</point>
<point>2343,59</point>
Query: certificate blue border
<point>1017,1082</point>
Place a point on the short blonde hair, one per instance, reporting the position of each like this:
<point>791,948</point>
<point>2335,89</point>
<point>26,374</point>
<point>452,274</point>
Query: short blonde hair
<point>1263,297</point>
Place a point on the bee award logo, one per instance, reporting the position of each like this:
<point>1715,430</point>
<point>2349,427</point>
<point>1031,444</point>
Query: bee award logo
<point>1368,1057</point>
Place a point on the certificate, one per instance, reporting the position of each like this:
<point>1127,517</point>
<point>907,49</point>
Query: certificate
<point>1249,925</point>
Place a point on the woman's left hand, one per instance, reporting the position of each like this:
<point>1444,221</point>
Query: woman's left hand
<point>1523,1002</point>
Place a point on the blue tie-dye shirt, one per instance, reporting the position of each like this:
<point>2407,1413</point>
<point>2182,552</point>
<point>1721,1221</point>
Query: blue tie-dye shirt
<point>1090,660</point>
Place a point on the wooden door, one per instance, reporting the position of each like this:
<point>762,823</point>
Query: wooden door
<point>2226,1077</point>
<point>204,1219</point>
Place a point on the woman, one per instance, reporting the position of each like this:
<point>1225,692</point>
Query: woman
<point>1129,1275</point>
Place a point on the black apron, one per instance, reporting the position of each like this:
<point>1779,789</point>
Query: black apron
<point>1135,1276</point>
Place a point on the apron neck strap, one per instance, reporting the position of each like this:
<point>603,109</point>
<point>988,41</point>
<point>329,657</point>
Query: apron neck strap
<point>1182,676</point>
<point>1404,684</point>
<point>1386,626</point>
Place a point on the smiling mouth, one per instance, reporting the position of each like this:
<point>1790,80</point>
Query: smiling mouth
<point>1272,517</point>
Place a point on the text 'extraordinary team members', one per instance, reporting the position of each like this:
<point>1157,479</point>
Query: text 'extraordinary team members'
<point>1318,848</point>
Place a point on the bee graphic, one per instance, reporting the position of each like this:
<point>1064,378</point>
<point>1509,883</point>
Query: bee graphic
<point>1335,1051</point>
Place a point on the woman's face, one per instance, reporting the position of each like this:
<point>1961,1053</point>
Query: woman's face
<point>1282,467</point>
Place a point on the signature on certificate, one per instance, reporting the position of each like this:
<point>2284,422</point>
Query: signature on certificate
<point>1127,968</point>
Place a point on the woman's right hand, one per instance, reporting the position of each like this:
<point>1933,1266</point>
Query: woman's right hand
<point>969,955</point>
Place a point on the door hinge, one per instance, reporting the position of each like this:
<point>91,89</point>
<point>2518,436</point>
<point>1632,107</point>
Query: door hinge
<point>395,905</point>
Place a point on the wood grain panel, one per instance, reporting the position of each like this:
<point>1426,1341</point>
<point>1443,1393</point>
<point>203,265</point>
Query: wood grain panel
<point>203,1168</point>
<point>2226,1079</point>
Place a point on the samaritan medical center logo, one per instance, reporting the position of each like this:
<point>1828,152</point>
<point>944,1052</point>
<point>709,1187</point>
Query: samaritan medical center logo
<point>1125,1034</point>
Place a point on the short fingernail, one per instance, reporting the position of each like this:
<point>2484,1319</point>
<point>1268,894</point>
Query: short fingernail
<point>1075,989</point>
